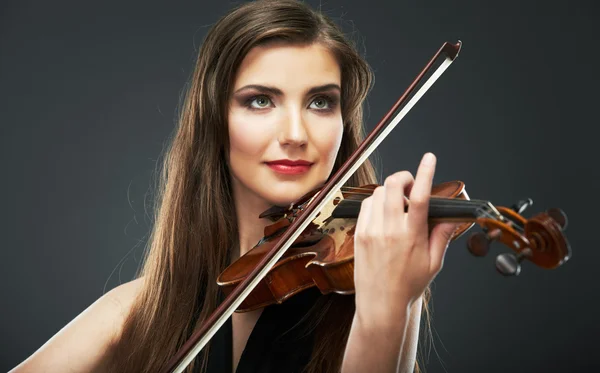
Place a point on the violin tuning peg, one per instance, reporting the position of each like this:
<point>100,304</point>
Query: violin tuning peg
<point>509,264</point>
<point>522,205</point>
<point>558,216</point>
<point>479,242</point>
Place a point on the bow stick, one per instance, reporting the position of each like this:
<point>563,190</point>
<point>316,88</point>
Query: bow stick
<point>200,338</point>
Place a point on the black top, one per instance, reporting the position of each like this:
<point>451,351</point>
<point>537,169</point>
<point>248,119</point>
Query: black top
<point>278,343</point>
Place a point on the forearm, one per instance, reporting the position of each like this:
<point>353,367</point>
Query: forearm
<point>396,258</point>
<point>378,343</point>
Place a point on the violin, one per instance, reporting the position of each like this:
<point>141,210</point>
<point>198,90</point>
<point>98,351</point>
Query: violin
<point>323,254</point>
<point>310,242</point>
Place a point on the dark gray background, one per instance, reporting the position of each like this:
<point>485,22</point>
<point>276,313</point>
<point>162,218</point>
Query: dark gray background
<point>88,96</point>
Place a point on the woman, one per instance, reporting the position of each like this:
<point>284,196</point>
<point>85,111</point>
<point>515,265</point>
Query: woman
<point>273,109</point>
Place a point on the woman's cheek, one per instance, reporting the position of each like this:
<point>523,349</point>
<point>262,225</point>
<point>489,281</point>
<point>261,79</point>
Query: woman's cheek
<point>246,135</point>
<point>330,139</point>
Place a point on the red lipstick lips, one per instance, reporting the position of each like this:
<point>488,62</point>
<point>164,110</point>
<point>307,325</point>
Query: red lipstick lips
<point>289,167</point>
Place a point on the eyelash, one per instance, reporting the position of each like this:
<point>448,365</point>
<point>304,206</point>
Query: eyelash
<point>331,102</point>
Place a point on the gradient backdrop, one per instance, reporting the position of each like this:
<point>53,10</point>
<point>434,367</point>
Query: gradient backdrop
<point>89,93</point>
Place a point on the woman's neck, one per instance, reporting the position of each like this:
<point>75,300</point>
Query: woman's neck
<point>250,227</point>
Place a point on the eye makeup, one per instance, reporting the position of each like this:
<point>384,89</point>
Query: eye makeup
<point>332,102</point>
<point>248,99</point>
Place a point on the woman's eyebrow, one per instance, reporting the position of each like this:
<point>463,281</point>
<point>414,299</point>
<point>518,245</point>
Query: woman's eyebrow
<point>325,87</point>
<point>277,92</point>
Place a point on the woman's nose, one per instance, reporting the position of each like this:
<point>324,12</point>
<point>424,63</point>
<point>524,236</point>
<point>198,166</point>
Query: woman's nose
<point>293,129</point>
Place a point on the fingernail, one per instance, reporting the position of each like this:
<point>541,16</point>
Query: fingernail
<point>428,159</point>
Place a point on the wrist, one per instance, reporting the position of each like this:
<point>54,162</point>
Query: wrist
<point>381,318</point>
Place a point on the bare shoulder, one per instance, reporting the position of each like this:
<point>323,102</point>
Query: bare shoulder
<point>121,298</point>
<point>82,344</point>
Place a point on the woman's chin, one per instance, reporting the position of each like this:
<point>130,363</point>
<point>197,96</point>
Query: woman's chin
<point>285,199</point>
<point>282,201</point>
<point>285,193</point>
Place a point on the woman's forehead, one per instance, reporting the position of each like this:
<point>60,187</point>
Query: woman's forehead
<point>288,66</point>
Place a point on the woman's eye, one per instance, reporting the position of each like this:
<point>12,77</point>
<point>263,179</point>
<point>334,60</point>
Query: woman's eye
<point>260,102</point>
<point>322,103</point>
<point>263,102</point>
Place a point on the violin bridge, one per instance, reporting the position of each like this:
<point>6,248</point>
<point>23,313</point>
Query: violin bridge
<point>325,213</point>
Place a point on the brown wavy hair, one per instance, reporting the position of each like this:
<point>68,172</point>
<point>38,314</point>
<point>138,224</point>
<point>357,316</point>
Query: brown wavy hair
<point>195,223</point>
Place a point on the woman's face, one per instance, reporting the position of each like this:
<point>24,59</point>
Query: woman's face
<point>285,122</point>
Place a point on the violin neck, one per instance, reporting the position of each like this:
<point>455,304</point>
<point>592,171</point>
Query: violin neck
<point>456,210</point>
<point>440,209</point>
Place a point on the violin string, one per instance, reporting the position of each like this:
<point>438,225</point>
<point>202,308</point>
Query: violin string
<point>470,202</point>
<point>347,188</point>
<point>449,207</point>
<point>437,202</point>
<point>432,199</point>
<point>359,188</point>
<point>455,205</point>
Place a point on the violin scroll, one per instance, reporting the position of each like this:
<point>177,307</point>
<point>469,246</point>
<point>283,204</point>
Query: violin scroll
<point>540,239</point>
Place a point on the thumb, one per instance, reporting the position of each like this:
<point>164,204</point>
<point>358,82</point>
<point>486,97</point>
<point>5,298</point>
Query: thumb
<point>439,239</point>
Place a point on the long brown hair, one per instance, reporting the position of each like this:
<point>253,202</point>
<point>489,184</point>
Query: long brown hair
<point>195,225</point>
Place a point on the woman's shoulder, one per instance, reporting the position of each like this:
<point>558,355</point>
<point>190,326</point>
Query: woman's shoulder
<point>120,299</point>
<point>88,336</point>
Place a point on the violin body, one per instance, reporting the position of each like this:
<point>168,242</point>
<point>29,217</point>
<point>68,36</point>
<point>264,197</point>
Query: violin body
<point>323,255</point>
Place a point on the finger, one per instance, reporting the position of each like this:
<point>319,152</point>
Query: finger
<point>376,216</point>
<point>363,216</point>
<point>418,210</point>
<point>439,240</point>
<point>393,210</point>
